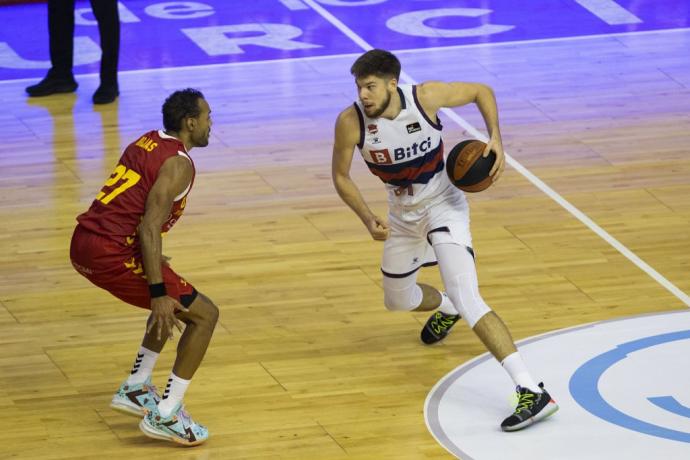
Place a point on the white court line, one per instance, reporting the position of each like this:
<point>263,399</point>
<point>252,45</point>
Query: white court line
<point>579,215</point>
<point>409,50</point>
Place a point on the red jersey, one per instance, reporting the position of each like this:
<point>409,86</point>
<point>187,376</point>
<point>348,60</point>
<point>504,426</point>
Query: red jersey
<point>119,206</point>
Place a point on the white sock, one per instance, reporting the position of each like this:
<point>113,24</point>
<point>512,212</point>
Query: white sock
<point>447,306</point>
<point>143,366</point>
<point>517,370</point>
<point>174,392</point>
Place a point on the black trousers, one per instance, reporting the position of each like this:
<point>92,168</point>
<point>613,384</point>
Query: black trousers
<point>61,31</point>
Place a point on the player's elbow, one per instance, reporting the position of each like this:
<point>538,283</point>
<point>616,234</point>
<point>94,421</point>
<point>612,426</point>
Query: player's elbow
<point>483,92</point>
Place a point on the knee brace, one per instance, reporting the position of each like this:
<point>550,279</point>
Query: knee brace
<point>456,262</point>
<point>401,294</point>
<point>464,293</point>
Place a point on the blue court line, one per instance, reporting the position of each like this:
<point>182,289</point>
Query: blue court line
<point>670,404</point>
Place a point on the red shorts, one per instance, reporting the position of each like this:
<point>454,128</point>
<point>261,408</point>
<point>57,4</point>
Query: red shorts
<point>118,269</point>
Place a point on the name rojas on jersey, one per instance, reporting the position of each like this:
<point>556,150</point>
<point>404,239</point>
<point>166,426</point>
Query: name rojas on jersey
<point>406,153</point>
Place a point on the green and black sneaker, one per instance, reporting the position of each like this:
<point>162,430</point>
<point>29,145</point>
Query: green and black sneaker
<point>437,327</point>
<point>531,408</point>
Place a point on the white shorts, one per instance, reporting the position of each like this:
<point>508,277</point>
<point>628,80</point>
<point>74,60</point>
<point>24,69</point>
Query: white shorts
<point>408,247</point>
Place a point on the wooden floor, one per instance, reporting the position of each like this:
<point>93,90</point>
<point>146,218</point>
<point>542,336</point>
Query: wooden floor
<point>306,363</point>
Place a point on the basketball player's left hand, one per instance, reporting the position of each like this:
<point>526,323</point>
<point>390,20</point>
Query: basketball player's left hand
<point>163,317</point>
<point>496,145</point>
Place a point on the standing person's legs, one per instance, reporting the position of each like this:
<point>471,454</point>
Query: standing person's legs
<point>61,42</point>
<point>108,18</point>
<point>61,32</point>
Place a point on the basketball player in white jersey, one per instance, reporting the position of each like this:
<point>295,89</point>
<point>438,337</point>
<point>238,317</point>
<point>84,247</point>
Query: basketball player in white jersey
<point>398,133</point>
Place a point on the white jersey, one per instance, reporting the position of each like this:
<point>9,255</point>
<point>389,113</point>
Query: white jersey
<point>406,153</point>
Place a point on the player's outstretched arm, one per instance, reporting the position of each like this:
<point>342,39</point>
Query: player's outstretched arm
<point>433,95</point>
<point>346,138</point>
<point>173,178</point>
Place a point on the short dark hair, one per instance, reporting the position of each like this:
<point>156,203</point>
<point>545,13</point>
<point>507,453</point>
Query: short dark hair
<point>180,105</point>
<point>380,63</point>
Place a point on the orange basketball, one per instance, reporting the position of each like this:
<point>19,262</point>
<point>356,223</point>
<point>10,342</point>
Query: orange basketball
<point>466,167</point>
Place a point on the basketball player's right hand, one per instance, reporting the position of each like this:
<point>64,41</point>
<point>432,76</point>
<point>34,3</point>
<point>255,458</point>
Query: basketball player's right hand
<point>163,317</point>
<point>495,144</point>
<point>378,228</point>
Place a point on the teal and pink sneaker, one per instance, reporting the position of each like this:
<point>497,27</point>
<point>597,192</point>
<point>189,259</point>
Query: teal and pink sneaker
<point>178,428</point>
<point>135,399</point>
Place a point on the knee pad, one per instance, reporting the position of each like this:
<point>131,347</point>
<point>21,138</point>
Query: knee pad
<point>401,294</point>
<point>464,293</point>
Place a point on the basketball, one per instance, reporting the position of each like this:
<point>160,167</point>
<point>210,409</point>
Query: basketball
<point>466,167</point>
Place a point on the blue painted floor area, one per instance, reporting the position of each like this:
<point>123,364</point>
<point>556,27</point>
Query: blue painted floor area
<point>173,34</point>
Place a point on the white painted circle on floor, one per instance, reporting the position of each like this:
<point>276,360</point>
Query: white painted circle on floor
<point>623,387</point>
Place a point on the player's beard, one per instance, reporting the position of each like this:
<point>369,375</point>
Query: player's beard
<point>384,105</point>
<point>203,141</point>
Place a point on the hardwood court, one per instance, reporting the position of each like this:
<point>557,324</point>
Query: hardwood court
<point>306,363</point>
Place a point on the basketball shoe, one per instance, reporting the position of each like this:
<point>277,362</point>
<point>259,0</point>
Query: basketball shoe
<point>178,427</point>
<point>437,327</point>
<point>531,408</point>
<point>135,399</point>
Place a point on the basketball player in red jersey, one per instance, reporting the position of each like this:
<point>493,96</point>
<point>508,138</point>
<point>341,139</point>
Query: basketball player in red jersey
<point>398,133</point>
<point>117,246</point>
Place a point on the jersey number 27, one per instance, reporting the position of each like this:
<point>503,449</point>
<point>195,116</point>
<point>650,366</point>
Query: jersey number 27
<point>128,178</point>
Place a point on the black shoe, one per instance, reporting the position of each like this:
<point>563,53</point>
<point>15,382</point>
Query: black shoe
<point>52,85</point>
<point>437,327</point>
<point>531,408</point>
<point>105,94</point>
